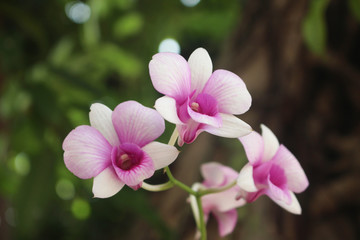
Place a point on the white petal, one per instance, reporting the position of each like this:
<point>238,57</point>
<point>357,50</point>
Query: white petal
<point>100,118</point>
<point>271,143</point>
<point>232,127</point>
<point>194,205</point>
<point>166,106</point>
<point>246,180</point>
<point>106,184</point>
<point>161,154</point>
<point>201,68</point>
<point>294,207</point>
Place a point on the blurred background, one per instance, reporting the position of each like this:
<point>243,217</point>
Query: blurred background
<point>299,59</point>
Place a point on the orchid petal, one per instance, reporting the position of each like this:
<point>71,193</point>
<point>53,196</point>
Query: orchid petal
<point>225,200</point>
<point>201,68</point>
<point>107,184</point>
<point>271,143</point>
<point>226,221</point>
<point>253,145</point>
<point>189,132</point>
<point>137,124</point>
<point>232,127</point>
<point>170,75</point>
<point>100,118</point>
<point>166,106</point>
<point>161,154</point>
<point>212,174</point>
<point>87,152</point>
<point>278,193</point>
<point>134,176</point>
<point>230,92</point>
<point>214,121</point>
<point>246,180</point>
<point>294,207</point>
<point>295,175</point>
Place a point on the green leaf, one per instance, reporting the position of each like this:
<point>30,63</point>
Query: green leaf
<point>354,6</point>
<point>314,27</point>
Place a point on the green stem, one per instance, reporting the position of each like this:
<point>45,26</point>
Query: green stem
<point>178,183</point>
<point>201,217</point>
<point>216,190</point>
<point>157,188</point>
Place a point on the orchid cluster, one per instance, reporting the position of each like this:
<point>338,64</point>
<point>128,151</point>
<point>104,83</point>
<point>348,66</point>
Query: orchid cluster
<point>119,147</point>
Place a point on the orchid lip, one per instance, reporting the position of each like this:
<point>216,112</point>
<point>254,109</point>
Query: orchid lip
<point>127,156</point>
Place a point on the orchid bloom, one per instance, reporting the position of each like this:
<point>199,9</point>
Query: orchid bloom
<point>118,147</point>
<point>222,204</point>
<point>272,170</point>
<point>197,99</point>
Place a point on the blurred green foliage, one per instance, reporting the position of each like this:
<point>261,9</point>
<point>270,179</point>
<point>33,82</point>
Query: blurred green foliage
<point>51,71</point>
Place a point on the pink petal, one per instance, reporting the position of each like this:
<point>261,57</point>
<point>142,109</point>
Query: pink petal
<point>253,145</point>
<point>170,75</point>
<point>212,174</point>
<point>225,200</point>
<point>214,121</point>
<point>201,68</point>
<point>134,176</point>
<point>246,180</point>
<point>161,154</point>
<point>166,106</point>
<point>230,92</point>
<point>226,221</point>
<point>107,184</point>
<point>189,132</point>
<point>100,118</point>
<point>232,127</point>
<point>279,194</point>
<point>294,207</point>
<point>295,175</point>
<point>87,152</point>
<point>271,144</point>
<point>137,124</point>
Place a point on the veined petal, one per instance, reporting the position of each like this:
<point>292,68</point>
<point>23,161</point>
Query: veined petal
<point>201,69</point>
<point>294,207</point>
<point>226,221</point>
<point>100,118</point>
<point>170,75</point>
<point>246,180</point>
<point>271,143</point>
<point>295,175</point>
<point>134,176</point>
<point>137,124</point>
<point>166,106</point>
<point>230,92</point>
<point>107,184</point>
<point>253,145</point>
<point>232,127</point>
<point>161,154</point>
<point>87,152</point>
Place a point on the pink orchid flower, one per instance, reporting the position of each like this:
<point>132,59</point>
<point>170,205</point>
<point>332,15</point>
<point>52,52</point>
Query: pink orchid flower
<point>223,204</point>
<point>118,147</point>
<point>197,99</point>
<point>272,170</point>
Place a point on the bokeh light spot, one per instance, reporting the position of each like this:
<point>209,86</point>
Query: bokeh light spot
<point>65,189</point>
<point>190,3</point>
<point>80,209</point>
<point>169,45</point>
<point>78,12</point>
<point>22,164</point>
